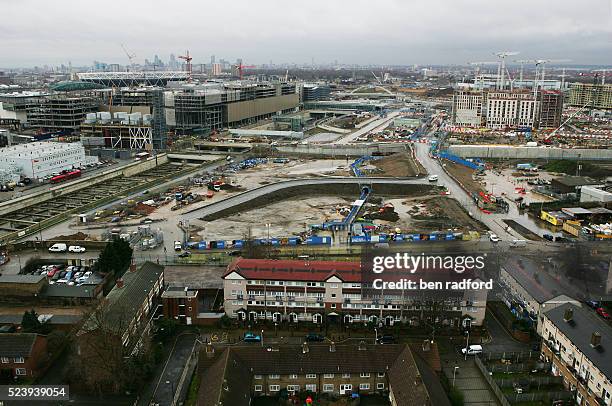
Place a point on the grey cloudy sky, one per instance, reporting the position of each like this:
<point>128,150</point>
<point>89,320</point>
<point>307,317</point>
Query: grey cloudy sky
<point>350,31</point>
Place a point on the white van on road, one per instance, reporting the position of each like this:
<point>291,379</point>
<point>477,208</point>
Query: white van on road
<point>58,247</point>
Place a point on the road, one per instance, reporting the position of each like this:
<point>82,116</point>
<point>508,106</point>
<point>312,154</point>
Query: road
<point>249,195</point>
<point>493,221</point>
<point>373,126</point>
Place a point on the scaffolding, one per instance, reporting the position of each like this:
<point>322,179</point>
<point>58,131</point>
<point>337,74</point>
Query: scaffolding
<point>62,113</point>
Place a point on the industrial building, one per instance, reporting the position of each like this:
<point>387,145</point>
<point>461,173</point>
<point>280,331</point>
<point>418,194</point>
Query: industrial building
<point>16,105</point>
<point>40,159</point>
<point>598,96</point>
<point>62,113</point>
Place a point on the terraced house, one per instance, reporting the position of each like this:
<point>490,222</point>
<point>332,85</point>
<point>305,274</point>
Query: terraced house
<point>579,345</point>
<point>318,292</point>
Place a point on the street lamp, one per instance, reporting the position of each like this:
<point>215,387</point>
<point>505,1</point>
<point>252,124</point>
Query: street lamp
<point>376,335</point>
<point>262,337</point>
<point>172,387</point>
<point>454,374</point>
<point>467,344</point>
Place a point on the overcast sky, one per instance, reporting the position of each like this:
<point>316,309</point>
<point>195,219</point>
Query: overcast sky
<point>388,32</point>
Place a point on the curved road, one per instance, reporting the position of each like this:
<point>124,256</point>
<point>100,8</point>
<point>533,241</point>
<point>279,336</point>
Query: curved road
<point>249,195</point>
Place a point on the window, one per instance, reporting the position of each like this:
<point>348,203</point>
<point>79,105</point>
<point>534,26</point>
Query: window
<point>364,386</point>
<point>328,387</point>
<point>293,388</point>
<point>311,376</point>
<point>20,371</point>
<point>258,376</point>
<point>311,387</point>
<point>333,295</point>
<point>273,376</point>
<point>328,376</point>
<point>346,375</point>
<point>19,360</point>
<point>258,388</point>
<point>364,375</point>
<point>380,386</point>
<point>333,306</point>
<point>293,376</point>
<point>333,285</point>
<point>380,374</point>
<point>274,388</point>
<point>5,360</point>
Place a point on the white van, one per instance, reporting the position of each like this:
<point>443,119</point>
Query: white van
<point>433,178</point>
<point>472,349</point>
<point>58,247</point>
<point>518,243</point>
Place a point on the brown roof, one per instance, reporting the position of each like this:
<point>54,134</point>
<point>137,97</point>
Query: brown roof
<point>226,381</point>
<point>291,359</point>
<point>227,376</point>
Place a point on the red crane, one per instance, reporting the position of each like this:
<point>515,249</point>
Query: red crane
<point>187,59</point>
<point>240,67</point>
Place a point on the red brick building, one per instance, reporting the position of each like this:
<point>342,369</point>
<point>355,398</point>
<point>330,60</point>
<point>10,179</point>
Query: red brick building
<point>22,355</point>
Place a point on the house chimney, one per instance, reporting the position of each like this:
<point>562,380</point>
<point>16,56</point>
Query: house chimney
<point>132,267</point>
<point>426,346</point>
<point>332,347</point>
<point>362,345</point>
<point>595,339</point>
<point>305,348</point>
<point>569,314</point>
<point>120,283</point>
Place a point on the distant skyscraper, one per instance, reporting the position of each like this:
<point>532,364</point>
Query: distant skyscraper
<point>172,63</point>
<point>212,60</point>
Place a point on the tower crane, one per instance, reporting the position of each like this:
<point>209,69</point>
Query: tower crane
<point>502,68</point>
<point>187,58</point>
<point>130,56</point>
<point>240,67</point>
<point>603,74</point>
<point>477,71</point>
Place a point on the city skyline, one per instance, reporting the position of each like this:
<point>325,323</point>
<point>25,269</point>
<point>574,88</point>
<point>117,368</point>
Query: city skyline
<point>393,32</point>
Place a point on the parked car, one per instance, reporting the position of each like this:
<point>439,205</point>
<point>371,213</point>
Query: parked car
<point>51,273</point>
<point>386,339</point>
<point>184,254</point>
<point>603,313</point>
<point>314,337</point>
<point>472,349</point>
<point>58,247</point>
<point>494,238</point>
<point>593,304</point>
<point>548,237</point>
<point>76,249</point>
<point>251,338</point>
<point>178,246</point>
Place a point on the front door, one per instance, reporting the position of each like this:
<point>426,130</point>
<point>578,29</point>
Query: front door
<point>346,388</point>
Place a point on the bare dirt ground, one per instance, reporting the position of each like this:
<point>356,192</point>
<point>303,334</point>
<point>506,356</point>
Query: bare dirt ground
<point>431,213</point>
<point>465,176</point>
<point>397,165</point>
<point>286,218</point>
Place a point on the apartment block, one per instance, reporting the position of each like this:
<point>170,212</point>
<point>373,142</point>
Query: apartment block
<point>319,292</point>
<point>468,108</point>
<point>577,343</point>
<point>510,109</point>
<point>62,113</point>
<point>598,96</point>
<point>551,109</point>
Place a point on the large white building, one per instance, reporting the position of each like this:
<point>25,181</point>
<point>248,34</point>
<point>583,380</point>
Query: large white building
<point>40,159</point>
<point>511,109</point>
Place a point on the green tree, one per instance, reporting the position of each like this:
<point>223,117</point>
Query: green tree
<point>29,322</point>
<point>115,257</point>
